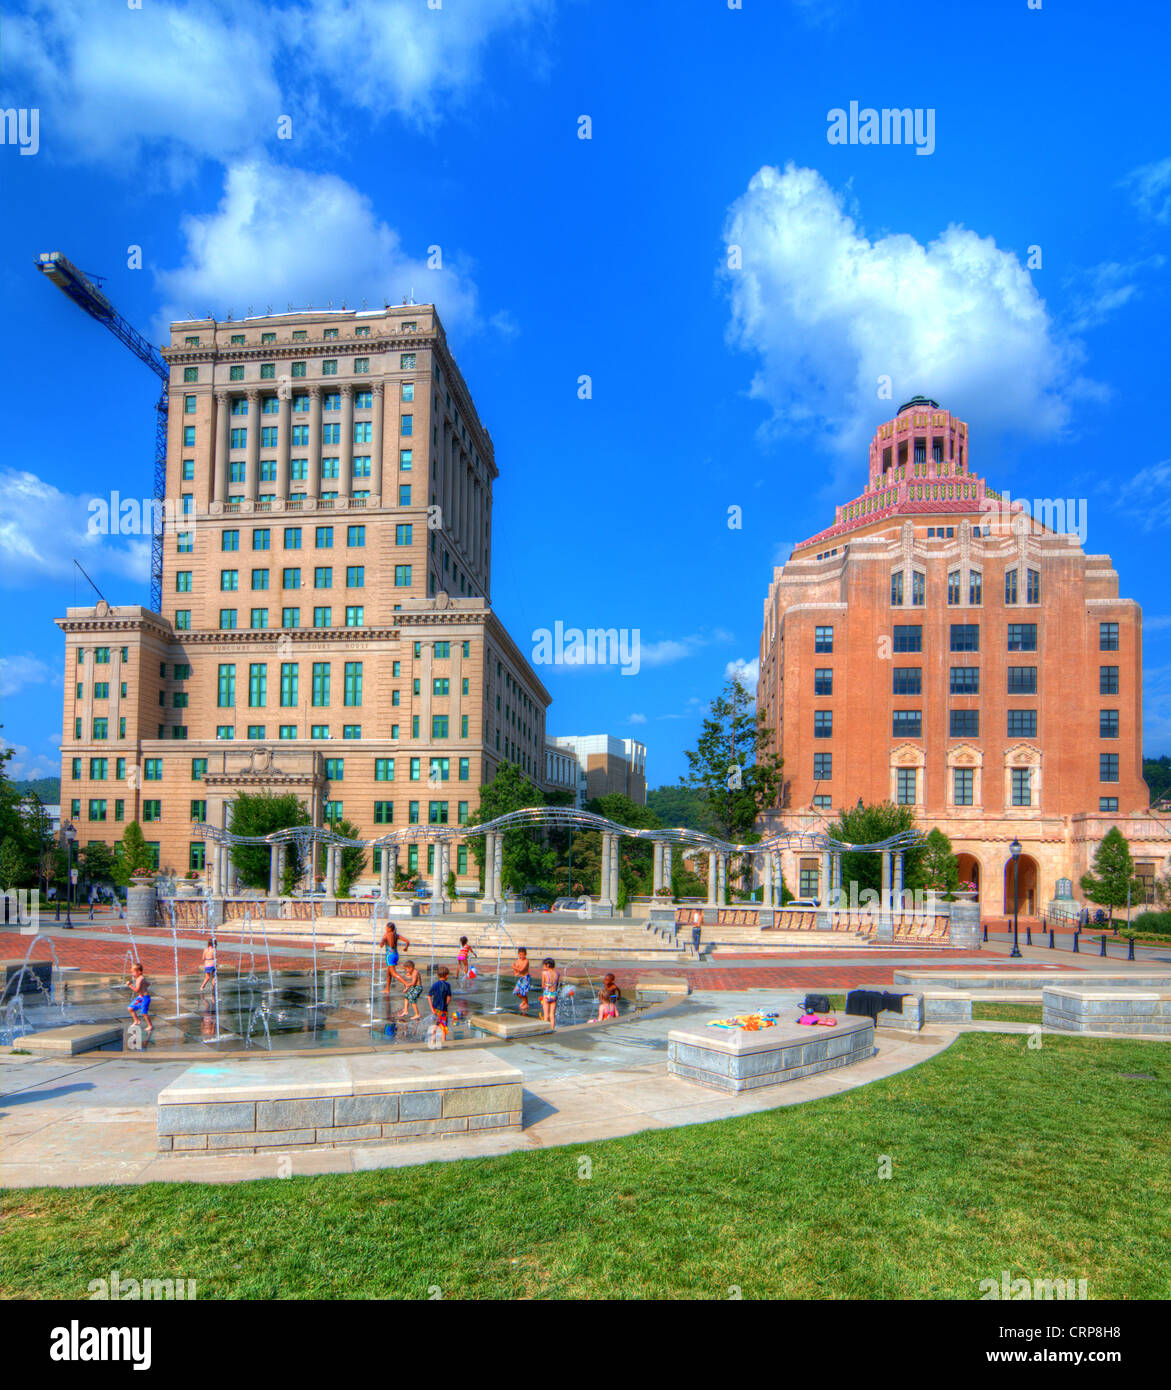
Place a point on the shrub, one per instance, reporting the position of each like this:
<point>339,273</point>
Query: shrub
<point>1153,923</point>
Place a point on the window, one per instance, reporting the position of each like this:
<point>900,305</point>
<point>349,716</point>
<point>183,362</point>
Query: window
<point>290,617</point>
<point>323,538</point>
<point>1108,637</point>
<point>1022,723</point>
<point>226,690</point>
<point>402,576</point>
<point>908,637</point>
<point>918,589</point>
<point>1107,803</point>
<point>437,813</point>
<point>185,542</point>
<point>355,576</point>
<point>823,639</point>
<point>822,803</point>
<point>406,460</point>
<point>97,810</point>
<point>907,723</point>
<point>288,731</point>
<point>229,540</point>
<point>404,494</point>
<point>383,812</point>
<point>292,538</point>
<point>289,674</point>
<point>321,682</point>
<point>319,731</point>
<point>963,786</point>
<point>439,725</point>
<point>441,650</point>
<point>823,764</point>
<point>1022,680</point>
<point>198,768</point>
<point>332,812</point>
<point>896,589</point>
<point>355,615</point>
<point>290,578</point>
<point>823,681</point>
<point>152,769</point>
<point>808,884</point>
<point>257,684</point>
<point>404,535</point>
<point>965,637</point>
<point>963,723</point>
<point>953,587</point>
<point>225,731</point>
<point>152,811</point>
<point>183,581</point>
<point>965,680</point>
<point>907,680</point>
<point>440,770</point>
<point>823,723</point>
<point>1022,637</point>
<point>229,580</point>
<point>190,374</point>
<point>99,766</point>
<point>323,577</point>
<point>905,782</point>
<point>334,769</point>
<point>227,619</point>
<point>1032,586</point>
<point>1010,588</point>
<point>353,683</point>
<point>1107,723</point>
<point>441,685</point>
<point>1107,680</point>
<point>1022,786</point>
<point>323,617</point>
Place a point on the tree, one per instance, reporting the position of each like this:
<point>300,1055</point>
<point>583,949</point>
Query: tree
<point>732,765</point>
<point>1113,881</point>
<point>868,825</point>
<point>262,813</point>
<point>135,856</point>
<point>635,857</point>
<point>1157,775</point>
<point>680,808</point>
<point>12,865</point>
<point>525,861</point>
<point>353,856</point>
<point>99,863</point>
<point>941,870</point>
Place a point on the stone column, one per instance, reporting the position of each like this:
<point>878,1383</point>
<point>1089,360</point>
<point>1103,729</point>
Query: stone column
<point>384,884</point>
<point>489,864</point>
<point>722,879</point>
<point>667,864</point>
<point>498,870</point>
<point>614,863</point>
<point>604,874</point>
<point>823,880</point>
<point>376,446</point>
<point>885,925</point>
<point>330,873</point>
<point>284,442</point>
<point>252,464</point>
<point>775,856</point>
<point>898,883</point>
<point>222,425</point>
<point>436,872</point>
<point>282,859</point>
<point>658,866</point>
<point>274,881</point>
<point>766,881</point>
<point>711,878</point>
<point>346,460</point>
<point>313,482</point>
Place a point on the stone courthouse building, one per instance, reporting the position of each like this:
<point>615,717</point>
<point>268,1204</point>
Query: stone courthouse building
<point>941,649</point>
<point>327,625</point>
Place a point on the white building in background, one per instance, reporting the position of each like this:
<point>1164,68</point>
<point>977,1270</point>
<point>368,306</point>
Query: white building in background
<point>605,764</point>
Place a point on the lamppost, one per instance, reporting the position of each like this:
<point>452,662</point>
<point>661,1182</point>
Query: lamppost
<point>1015,850</point>
<point>69,835</point>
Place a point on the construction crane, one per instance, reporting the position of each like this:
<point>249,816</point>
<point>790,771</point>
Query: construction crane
<point>83,290</point>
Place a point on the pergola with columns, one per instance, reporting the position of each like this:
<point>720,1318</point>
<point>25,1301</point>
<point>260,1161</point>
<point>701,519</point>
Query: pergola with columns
<point>764,855</point>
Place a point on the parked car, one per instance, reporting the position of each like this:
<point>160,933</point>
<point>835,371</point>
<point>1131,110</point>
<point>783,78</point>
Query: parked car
<point>568,905</point>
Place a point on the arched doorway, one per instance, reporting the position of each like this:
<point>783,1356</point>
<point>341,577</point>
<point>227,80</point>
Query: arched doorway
<point>969,870</point>
<point>1027,869</point>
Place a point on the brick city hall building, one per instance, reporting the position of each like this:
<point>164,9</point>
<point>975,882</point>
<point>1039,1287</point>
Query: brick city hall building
<point>327,626</point>
<point>941,650</point>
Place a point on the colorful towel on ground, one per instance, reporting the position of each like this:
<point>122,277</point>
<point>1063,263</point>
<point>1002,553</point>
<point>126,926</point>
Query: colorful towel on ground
<point>750,1023</point>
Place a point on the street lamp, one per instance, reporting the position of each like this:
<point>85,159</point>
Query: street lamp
<point>1015,850</point>
<point>69,835</point>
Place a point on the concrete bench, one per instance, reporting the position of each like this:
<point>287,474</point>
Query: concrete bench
<point>265,1105</point>
<point>1090,1009</point>
<point>73,1038</point>
<point>736,1060</point>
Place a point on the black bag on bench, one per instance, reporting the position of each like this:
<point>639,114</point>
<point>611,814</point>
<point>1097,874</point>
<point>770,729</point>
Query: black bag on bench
<point>817,1004</point>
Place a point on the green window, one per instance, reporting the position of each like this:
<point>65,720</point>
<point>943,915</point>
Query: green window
<point>353,683</point>
<point>257,684</point>
<point>463,726</point>
<point>384,769</point>
<point>416,769</point>
<point>334,769</point>
<point>198,810</point>
<point>441,685</point>
<point>289,670</point>
<point>198,768</point>
<point>465,769</point>
<point>152,769</point>
<point>226,691</point>
<point>321,682</point>
<point>439,725</point>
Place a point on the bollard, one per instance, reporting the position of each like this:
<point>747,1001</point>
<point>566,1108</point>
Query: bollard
<point>985,931</point>
<point>1051,938</point>
<point>1028,935</point>
<point>1102,952</point>
<point>1130,952</point>
<point>1076,939</point>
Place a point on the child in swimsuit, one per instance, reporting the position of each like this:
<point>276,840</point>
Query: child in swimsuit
<point>550,986</point>
<point>608,997</point>
<point>439,997</point>
<point>209,965</point>
<point>391,941</point>
<point>465,950</point>
<point>414,989</point>
<point>140,1000</point>
<point>524,979</point>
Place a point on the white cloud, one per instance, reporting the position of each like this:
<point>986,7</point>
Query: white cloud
<point>670,649</point>
<point>26,765</point>
<point>42,531</point>
<point>400,56</point>
<point>176,83</point>
<point>1150,186</point>
<point>748,672</point>
<point>637,719</point>
<point>24,669</point>
<point>830,312</point>
<point>1100,291</point>
<point>282,236</point>
<point>1146,498</point>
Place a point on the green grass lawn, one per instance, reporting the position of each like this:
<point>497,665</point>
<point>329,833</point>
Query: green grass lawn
<point>1005,1013</point>
<point>1048,1162</point>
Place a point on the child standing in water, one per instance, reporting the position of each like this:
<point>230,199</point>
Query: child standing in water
<point>414,988</point>
<point>524,978</point>
<point>140,999</point>
<point>461,967</point>
<point>439,997</point>
<point>608,997</point>
<point>209,965</point>
<point>392,942</point>
<point>550,986</point>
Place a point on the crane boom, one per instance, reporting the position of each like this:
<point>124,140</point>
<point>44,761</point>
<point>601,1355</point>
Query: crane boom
<point>87,296</point>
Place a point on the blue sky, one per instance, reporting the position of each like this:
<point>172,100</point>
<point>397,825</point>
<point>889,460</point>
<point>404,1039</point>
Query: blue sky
<point>712,388</point>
